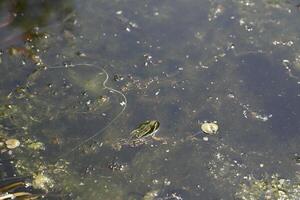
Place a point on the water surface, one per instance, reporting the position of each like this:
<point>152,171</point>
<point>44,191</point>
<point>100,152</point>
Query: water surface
<point>76,77</point>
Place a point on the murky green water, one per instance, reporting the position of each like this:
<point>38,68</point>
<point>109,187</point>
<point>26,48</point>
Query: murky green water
<point>78,76</point>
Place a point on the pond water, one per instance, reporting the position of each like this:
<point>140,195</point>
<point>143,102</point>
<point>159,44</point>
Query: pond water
<point>77,77</point>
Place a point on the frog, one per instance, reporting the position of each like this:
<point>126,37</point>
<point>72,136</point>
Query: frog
<point>146,129</point>
<point>141,135</point>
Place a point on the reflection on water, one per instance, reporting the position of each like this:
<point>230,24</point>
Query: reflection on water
<point>78,77</point>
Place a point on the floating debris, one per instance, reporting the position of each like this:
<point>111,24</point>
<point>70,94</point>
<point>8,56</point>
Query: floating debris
<point>210,128</point>
<point>81,54</point>
<point>117,166</point>
<point>118,77</point>
<point>254,115</point>
<point>12,143</point>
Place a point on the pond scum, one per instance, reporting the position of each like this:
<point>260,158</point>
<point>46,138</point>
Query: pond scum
<point>38,169</point>
<point>45,145</point>
<point>44,175</point>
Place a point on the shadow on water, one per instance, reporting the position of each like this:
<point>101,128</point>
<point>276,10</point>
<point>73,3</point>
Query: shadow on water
<point>21,19</point>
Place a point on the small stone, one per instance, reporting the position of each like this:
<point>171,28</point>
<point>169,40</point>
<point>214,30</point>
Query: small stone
<point>119,12</point>
<point>12,143</point>
<point>261,165</point>
<point>210,128</point>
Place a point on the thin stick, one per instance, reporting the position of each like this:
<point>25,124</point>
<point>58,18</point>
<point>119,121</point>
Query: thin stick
<point>124,104</point>
<point>17,178</point>
<point>11,186</point>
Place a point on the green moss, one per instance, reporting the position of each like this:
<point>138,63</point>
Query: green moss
<point>7,110</point>
<point>34,145</point>
<point>269,188</point>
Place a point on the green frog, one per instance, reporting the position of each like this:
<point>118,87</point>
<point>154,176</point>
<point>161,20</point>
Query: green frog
<point>145,129</point>
<point>141,135</point>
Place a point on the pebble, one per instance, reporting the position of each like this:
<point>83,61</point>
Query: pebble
<point>12,143</point>
<point>210,128</point>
